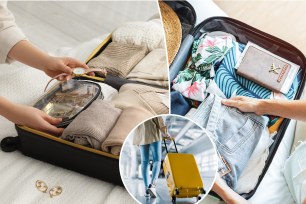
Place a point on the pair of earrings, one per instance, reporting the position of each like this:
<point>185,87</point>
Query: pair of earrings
<point>42,187</point>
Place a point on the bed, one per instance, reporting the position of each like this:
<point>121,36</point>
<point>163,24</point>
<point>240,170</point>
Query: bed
<point>19,173</point>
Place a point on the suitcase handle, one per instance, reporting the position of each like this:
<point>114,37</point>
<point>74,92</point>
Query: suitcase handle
<point>169,138</point>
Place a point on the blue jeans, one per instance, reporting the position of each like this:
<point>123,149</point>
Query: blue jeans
<point>155,149</point>
<point>235,135</point>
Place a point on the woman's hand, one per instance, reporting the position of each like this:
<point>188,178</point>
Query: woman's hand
<point>245,104</point>
<point>34,118</point>
<point>58,65</point>
<point>28,54</point>
<point>226,193</point>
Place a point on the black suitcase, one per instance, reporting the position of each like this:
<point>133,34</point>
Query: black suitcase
<point>243,34</point>
<point>51,149</point>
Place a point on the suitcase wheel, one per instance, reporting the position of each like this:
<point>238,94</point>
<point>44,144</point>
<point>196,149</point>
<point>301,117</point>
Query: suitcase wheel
<point>173,199</point>
<point>203,191</point>
<point>199,198</point>
<point>177,191</point>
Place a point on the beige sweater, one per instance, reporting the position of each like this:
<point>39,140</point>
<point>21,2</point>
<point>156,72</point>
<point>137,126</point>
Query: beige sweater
<point>10,34</point>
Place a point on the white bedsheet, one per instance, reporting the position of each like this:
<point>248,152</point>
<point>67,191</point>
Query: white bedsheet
<point>19,173</point>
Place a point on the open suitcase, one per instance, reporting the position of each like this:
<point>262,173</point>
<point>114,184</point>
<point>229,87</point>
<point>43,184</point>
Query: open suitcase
<point>182,175</point>
<point>243,34</point>
<point>66,154</point>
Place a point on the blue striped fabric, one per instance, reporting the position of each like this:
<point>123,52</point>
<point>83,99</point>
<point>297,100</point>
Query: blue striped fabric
<point>232,84</point>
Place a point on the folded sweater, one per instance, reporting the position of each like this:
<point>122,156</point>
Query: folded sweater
<point>91,126</point>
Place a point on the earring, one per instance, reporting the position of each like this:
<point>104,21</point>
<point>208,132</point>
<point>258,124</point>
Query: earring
<point>55,191</point>
<point>41,186</point>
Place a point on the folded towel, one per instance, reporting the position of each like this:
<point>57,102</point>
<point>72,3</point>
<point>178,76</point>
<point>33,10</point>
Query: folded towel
<point>151,67</point>
<point>137,95</point>
<point>118,58</point>
<point>129,118</point>
<point>149,34</point>
<point>91,126</point>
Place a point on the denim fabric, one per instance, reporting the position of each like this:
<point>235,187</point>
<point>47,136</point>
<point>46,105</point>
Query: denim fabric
<point>156,150</point>
<point>235,134</point>
<point>179,105</point>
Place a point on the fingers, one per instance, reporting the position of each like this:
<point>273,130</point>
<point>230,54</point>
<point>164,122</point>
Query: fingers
<point>67,70</point>
<point>48,126</point>
<point>52,120</point>
<point>239,98</point>
<point>52,129</point>
<point>230,102</point>
<point>76,63</point>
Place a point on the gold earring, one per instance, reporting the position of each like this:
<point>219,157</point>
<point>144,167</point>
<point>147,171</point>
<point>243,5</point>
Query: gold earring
<point>41,186</point>
<point>55,191</point>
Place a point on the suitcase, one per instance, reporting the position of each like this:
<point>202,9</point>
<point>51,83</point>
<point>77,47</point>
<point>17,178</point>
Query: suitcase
<point>243,34</point>
<point>75,157</point>
<point>182,175</point>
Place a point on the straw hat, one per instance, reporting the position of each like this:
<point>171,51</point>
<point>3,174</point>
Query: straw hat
<point>173,30</point>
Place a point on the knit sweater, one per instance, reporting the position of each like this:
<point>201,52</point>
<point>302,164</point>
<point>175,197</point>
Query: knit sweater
<point>10,34</point>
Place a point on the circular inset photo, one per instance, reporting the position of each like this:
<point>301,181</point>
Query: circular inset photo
<point>168,159</point>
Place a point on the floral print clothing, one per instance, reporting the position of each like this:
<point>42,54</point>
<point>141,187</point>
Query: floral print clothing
<point>206,51</point>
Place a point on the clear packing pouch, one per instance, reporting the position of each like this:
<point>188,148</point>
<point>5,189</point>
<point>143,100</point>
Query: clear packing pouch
<point>66,101</point>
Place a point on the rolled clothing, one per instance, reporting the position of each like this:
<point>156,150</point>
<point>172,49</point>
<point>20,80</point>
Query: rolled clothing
<point>118,58</point>
<point>137,95</point>
<point>151,69</point>
<point>129,118</point>
<point>149,131</point>
<point>235,134</point>
<point>91,126</point>
<point>149,34</point>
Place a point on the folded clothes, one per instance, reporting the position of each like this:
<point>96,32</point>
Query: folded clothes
<point>243,131</point>
<point>149,34</point>
<point>206,51</point>
<point>164,84</point>
<point>137,95</point>
<point>91,126</point>
<point>119,58</point>
<point>191,84</point>
<point>250,175</point>
<point>129,118</point>
<point>152,69</point>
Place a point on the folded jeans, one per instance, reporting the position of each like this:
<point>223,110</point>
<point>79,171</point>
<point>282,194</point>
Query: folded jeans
<point>235,134</point>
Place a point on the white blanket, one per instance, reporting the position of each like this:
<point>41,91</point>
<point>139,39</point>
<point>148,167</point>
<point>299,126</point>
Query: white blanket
<point>19,173</point>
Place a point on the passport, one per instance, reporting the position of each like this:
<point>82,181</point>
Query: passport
<point>266,69</point>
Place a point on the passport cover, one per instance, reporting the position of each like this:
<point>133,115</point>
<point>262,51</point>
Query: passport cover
<point>266,69</point>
